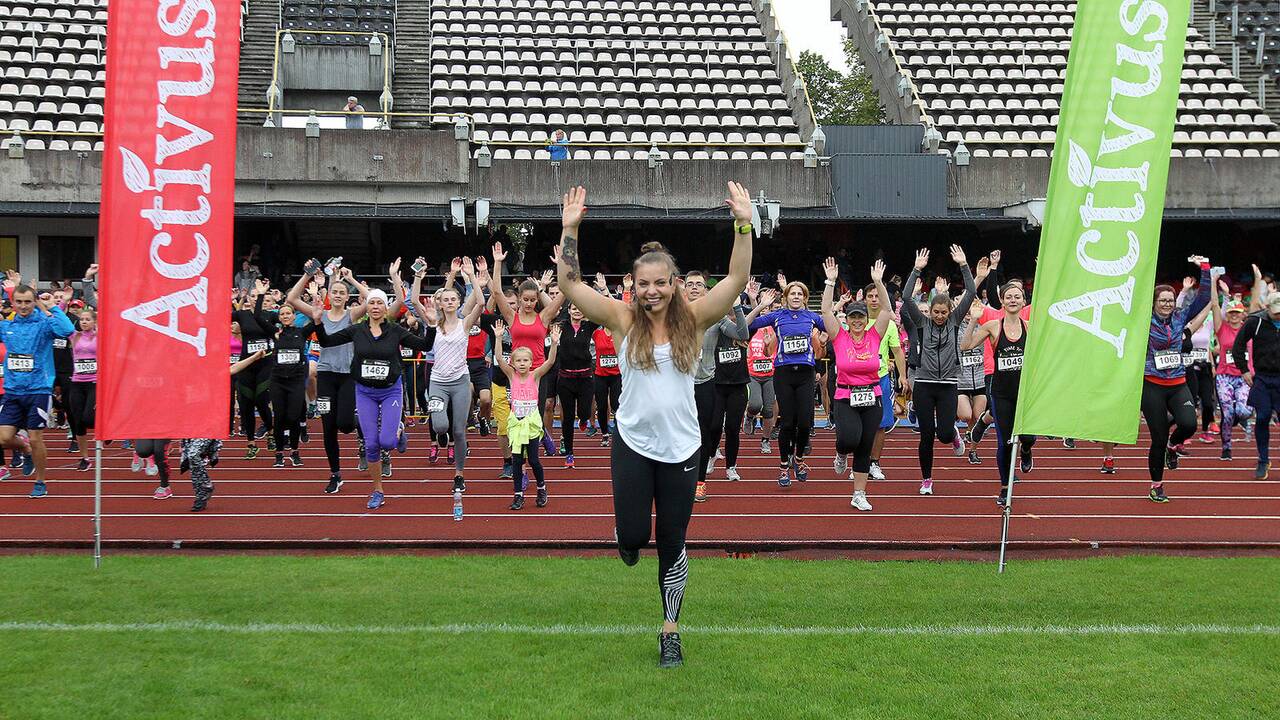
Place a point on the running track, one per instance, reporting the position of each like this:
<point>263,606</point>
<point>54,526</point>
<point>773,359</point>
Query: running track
<point>1064,503</point>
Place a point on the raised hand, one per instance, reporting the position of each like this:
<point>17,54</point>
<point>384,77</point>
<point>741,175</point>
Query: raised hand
<point>1188,282</point>
<point>573,208</point>
<point>547,275</point>
<point>482,265</point>
<point>468,270</point>
<point>877,271</point>
<point>345,274</point>
<point>739,202</point>
<point>845,299</point>
<point>957,254</point>
<point>859,295</point>
<point>499,328</point>
<point>556,250</point>
<point>394,270</point>
<point>499,254</point>
<point>768,297</point>
<point>975,312</point>
<point>91,270</point>
<point>600,281</point>
<point>555,333</point>
<point>830,268</point>
<point>753,290</point>
<point>455,265</point>
<point>995,259</point>
<point>782,280</point>
<point>984,267</point>
<point>941,284</point>
<point>922,258</point>
<point>626,281</point>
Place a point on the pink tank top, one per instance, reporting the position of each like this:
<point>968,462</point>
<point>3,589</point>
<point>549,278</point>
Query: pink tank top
<point>523,396</point>
<point>759,361</point>
<point>857,362</point>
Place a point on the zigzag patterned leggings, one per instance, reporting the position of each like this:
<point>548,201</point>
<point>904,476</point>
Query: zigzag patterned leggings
<point>1233,399</point>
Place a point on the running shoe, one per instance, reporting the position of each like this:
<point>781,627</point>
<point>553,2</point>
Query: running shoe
<point>1263,470</point>
<point>1069,443</point>
<point>250,451</point>
<point>777,432</point>
<point>162,493</point>
<point>450,454</point>
<point>766,447</point>
<point>39,490</point>
<point>1181,449</point>
<point>669,653</point>
<point>410,422</point>
<point>606,441</point>
<point>28,464</point>
<point>700,492</point>
<point>1248,427</point>
<point>1002,496</point>
<point>711,462</point>
<point>517,503</point>
<point>784,477</point>
<point>434,455</point>
<point>731,473</point>
<point>507,470</point>
<point>875,473</point>
<point>126,445</point>
<point>749,427</point>
<point>151,469</point>
<point>271,443</point>
<point>4,473</point>
<point>484,427</point>
<point>362,463</point>
<point>548,445</point>
<point>1226,453</point>
<point>261,432</point>
<point>859,501</point>
<point>402,443</point>
<point>459,483</point>
<point>335,484</point>
<point>73,446</point>
<point>957,445</point>
<point>1027,462</point>
<point>295,459</point>
<point>541,501</point>
<point>841,463</point>
<point>279,460</point>
<point>1108,466</point>
<point>592,431</point>
<point>562,450</point>
<point>1214,428</point>
<point>1157,494</point>
<point>304,437</point>
<point>386,463</point>
<point>84,465</point>
<point>926,487</point>
<point>1170,458</point>
<point>16,462</point>
<point>1205,438</point>
<point>376,500</point>
<point>802,471</point>
<point>202,498</point>
<point>568,461</point>
<point>630,556</point>
<point>973,457</point>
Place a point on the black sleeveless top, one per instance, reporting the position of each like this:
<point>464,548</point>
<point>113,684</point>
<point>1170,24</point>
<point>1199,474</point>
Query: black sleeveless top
<point>731,362</point>
<point>1008,360</point>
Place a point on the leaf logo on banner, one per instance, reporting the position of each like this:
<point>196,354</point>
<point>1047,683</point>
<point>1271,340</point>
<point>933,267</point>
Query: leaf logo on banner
<point>134,171</point>
<point>1079,166</point>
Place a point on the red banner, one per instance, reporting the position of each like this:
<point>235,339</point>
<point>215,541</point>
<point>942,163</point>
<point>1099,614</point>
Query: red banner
<point>168,186</point>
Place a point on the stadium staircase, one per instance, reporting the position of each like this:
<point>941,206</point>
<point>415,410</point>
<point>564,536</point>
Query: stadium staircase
<point>411,83</point>
<point>1250,72</point>
<point>257,52</point>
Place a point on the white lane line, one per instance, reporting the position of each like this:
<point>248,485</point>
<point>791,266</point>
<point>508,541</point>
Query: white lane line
<point>537,515</point>
<point>946,631</point>
<point>606,496</point>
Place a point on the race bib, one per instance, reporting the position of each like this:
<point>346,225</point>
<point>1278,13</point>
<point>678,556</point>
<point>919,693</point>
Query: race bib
<point>256,346</point>
<point>729,355</point>
<point>375,370</point>
<point>235,358</point>
<point>60,343</point>
<point>761,366</point>
<point>608,361</point>
<point>1196,355</point>
<point>862,396</point>
<point>86,366</point>
<point>435,404</point>
<point>524,408</point>
<point>971,358</point>
<point>323,405</point>
<point>547,342</point>
<point>406,352</point>
<point>1009,363</point>
<point>795,344</point>
<point>288,357</point>
<point>1168,359</point>
<point>506,357</point>
<point>20,363</point>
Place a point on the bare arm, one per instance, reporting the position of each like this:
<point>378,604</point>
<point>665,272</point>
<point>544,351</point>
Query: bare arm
<point>545,367</point>
<point>828,294</point>
<point>976,334</point>
<point>708,309</point>
<point>1259,287</point>
<point>601,310</point>
<point>882,320</point>
<point>495,284</point>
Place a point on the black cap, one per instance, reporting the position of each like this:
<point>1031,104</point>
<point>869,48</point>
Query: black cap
<point>857,308</point>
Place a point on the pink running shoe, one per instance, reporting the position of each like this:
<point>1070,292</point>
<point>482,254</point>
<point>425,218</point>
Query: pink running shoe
<point>1205,437</point>
<point>162,493</point>
<point>152,470</point>
<point>434,455</point>
<point>136,465</point>
<point>450,454</point>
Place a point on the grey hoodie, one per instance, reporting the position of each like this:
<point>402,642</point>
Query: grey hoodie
<point>735,329</point>
<point>937,347</point>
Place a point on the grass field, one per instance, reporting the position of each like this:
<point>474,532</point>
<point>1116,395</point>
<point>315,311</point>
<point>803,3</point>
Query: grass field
<point>389,636</point>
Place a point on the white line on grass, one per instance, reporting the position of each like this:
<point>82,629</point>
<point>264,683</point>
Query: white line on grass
<point>599,630</point>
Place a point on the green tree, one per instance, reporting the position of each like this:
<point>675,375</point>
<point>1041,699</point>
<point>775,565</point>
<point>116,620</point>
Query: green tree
<point>840,98</point>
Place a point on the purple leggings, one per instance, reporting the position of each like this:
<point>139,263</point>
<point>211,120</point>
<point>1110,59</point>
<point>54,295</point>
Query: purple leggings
<point>379,411</point>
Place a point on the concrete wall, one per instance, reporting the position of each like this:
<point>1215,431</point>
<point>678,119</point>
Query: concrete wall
<point>341,68</point>
<point>28,231</point>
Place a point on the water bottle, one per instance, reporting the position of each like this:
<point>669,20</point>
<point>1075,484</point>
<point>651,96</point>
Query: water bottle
<point>332,265</point>
<point>457,505</point>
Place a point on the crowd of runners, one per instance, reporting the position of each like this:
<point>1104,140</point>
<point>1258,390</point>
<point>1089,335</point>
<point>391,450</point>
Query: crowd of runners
<point>671,370</point>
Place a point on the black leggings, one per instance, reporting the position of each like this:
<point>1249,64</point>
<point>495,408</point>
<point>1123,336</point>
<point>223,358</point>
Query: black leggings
<point>338,391</point>
<point>704,399</point>
<point>794,387</point>
<point>530,452</point>
<point>575,405</point>
<point>81,406</point>
<point>856,430</point>
<point>1158,403</point>
<point>415,389</point>
<point>253,383</point>
<point>1005,409</point>
<point>158,449</point>
<point>728,408</point>
<point>641,486</point>
<point>289,405</point>
<point>1200,383</point>
<point>608,388</point>
<point>930,399</point>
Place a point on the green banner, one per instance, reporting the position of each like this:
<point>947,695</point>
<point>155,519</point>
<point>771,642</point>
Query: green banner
<point>1087,343</point>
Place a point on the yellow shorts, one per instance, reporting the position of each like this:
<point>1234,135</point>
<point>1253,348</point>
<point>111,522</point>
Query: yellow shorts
<point>501,408</point>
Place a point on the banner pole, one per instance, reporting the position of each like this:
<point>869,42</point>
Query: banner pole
<point>1008,500</point>
<point>97,504</point>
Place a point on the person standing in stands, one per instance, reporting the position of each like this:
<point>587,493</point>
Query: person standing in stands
<point>559,147</point>
<point>353,122</point>
<point>29,373</point>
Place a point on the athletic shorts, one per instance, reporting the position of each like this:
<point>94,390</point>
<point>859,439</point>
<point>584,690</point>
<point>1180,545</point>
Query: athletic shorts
<point>501,408</point>
<point>481,379</point>
<point>886,393</point>
<point>26,412</point>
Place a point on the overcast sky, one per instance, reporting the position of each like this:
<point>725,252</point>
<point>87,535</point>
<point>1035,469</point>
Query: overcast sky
<point>808,26</point>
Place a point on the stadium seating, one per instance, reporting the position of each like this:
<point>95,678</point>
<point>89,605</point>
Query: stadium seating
<point>323,21</point>
<point>990,74</point>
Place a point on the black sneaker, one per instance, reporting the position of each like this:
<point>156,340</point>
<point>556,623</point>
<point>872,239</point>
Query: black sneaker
<point>84,465</point>
<point>73,446</point>
<point>295,459</point>
<point>1226,453</point>
<point>304,437</point>
<point>1157,495</point>
<point>260,433</point>
<point>1069,443</point>
<point>484,427</point>
<point>271,443</point>
<point>202,498</point>
<point>606,441</point>
<point>973,458</point>
<point>1170,459</point>
<point>669,650</point>
<point>279,460</point>
<point>629,556</point>
<point>1028,463</point>
<point>1264,469</point>
<point>517,503</point>
<point>1002,496</point>
<point>335,484</point>
<point>777,432</point>
<point>386,464</point>
<point>459,483</point>
<point>542,496</point>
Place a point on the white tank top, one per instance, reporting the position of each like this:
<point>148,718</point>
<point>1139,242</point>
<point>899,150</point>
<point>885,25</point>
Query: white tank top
<point>656,414</point>
<point>451,353</point>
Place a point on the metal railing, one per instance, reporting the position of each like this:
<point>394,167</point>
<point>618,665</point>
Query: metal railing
<point>274,92</point>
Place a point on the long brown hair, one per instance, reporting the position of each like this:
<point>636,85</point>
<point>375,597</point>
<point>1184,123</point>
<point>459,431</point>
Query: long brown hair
<point>682,329</point>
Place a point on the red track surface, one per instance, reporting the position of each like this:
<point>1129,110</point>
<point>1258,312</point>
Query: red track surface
<point>1064,503</point>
